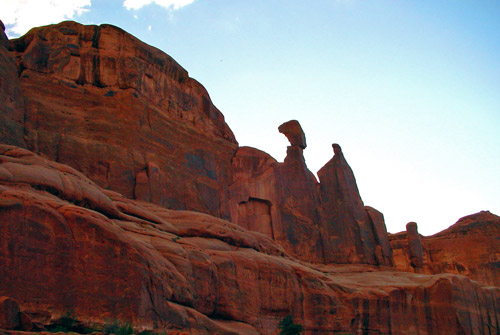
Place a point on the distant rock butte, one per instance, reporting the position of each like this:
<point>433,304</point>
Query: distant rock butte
<point>470,247</point>
<point>124,195</point>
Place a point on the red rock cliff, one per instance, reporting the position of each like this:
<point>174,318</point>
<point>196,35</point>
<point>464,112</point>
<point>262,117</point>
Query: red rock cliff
<point>67,244</point>
<point>470,247</point>
<point>123,113</point>
<point>114,119</point>
<point>12,104</point>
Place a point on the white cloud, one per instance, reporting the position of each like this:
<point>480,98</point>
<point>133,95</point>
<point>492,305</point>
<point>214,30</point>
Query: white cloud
<point>169,4</point>
<point>21,15</point>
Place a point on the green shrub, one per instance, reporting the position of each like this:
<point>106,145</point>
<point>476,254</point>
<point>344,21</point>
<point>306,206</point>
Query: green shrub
<point>146,332</point>
<point>66,323</point>
<point>288,327</point>
<point>111,327</point>
<point>117,328</point>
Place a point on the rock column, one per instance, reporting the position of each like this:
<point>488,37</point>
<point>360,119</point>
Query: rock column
<point>415,248</point>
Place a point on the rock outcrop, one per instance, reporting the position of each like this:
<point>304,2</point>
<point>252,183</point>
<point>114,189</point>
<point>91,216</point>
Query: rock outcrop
<point>11,101</point>
<point>111,106</point>
<point>279,200</point>
<point>469,247</point>
<point>128,117</point>
<point>356,236</point>
<point>117,211</point>
<point>112,257</point>
<point>318,222</point>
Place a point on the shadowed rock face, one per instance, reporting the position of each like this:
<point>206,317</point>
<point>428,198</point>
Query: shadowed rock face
<point>103,102</point>
<point>345,215</point>
<point>415,246</point>
<point>12,104</point>
<point>129,117</point>
<point>67,244</point>
<point>318,222</point>
<point>288,191</point>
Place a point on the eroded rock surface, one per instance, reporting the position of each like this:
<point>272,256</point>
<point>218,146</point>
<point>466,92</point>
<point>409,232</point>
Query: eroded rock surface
<point>114,119</point>
<point>355,236</point>
<point>294,133</point>
<point>469,247</point>
<point>191,272</point>
<point>11,99</point>
<point>318,222</point>
<point>110,106</point>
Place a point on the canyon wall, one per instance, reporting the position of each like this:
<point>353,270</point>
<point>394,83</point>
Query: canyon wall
<point>69,245</point>
<point>124,195</point>
<point>123,113</point>
<point>131,119</point>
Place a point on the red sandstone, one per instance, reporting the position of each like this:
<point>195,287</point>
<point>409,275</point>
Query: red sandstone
<point>121,140</point>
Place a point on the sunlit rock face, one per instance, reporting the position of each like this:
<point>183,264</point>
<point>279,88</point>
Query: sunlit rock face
<point>123,113</point>
<point>469,247</point>
<point>120,139</point>
<point>129,117</point>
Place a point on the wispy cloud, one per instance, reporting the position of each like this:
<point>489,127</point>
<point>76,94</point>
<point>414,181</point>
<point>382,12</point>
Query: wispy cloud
<point>21,15</point>
<point>169,4</point>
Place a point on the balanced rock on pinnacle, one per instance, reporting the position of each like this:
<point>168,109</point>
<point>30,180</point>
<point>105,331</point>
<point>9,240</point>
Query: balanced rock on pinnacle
<point>294,133</point>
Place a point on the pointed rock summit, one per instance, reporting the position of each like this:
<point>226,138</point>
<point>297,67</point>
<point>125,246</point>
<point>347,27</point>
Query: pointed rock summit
<point>354,234</point>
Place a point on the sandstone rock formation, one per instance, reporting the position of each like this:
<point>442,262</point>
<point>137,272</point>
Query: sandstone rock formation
<point>84,87</point>
<point>9,313</point>
<point>294,133</point>
<point>103,102</point>
<point>120,138</point>
<point>186,271</point>
<point>12,105</point>
<point>318,222</point>
<point>470,247</point>
<point>352,230</point>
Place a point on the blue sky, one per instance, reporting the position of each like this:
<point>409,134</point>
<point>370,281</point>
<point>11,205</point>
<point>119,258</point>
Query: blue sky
<point>409,89</point>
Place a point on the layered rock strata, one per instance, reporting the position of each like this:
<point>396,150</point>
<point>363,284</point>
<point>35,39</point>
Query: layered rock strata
<point>469,247</point>
<point>81,88</point>
<point>113,107</point>
<point>67,244</point>
<point>114,119</point>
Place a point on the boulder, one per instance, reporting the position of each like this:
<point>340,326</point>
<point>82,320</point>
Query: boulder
<point>294,133</point>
